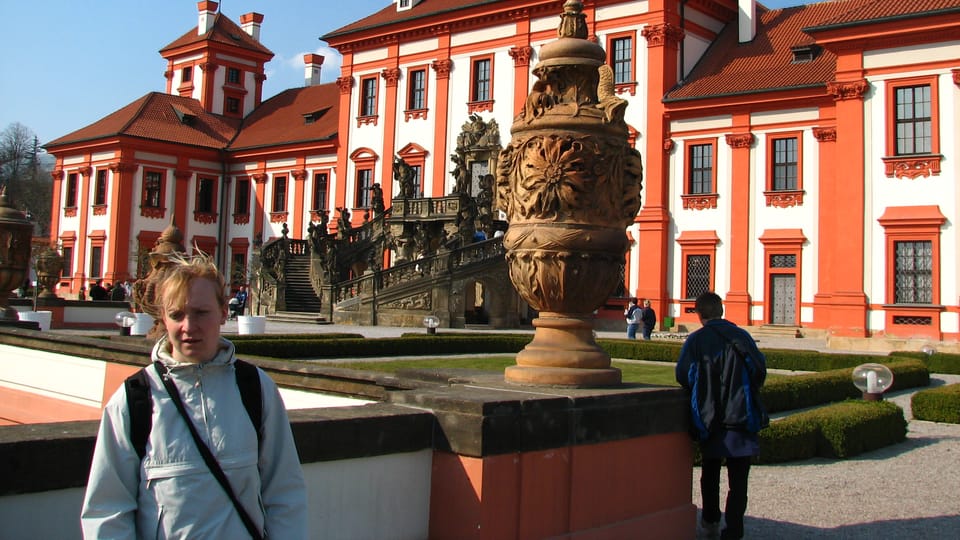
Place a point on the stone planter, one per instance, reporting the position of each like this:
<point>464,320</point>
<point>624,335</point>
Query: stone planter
<point>43,318</point>
<point>251,324</point>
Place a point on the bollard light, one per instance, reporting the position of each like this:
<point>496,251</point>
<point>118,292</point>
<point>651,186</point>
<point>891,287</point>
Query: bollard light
<point>431,322</point>
<point>125,320</point>
<point>872,380</point>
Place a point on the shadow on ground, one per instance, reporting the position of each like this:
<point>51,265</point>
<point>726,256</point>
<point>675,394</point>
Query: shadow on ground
<point>898,529</point>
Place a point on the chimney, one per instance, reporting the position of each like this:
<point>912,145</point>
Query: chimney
<point>208,14</point>
<point>311,73</point>
<point>747,20</point>
<point>250,23</point>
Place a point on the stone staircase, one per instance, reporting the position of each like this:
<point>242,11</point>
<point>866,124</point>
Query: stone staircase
<point>300,296</point>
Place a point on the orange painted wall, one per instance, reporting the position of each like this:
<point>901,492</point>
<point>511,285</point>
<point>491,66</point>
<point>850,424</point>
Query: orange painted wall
<point>629,488</point>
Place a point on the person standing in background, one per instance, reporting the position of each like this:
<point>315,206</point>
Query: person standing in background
<point>633,320</point>
<point>648,317</point>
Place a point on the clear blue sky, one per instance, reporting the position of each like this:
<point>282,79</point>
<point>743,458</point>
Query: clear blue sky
<point>68,63</point>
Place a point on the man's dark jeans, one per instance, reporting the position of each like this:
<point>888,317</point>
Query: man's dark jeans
<point>738,469</point>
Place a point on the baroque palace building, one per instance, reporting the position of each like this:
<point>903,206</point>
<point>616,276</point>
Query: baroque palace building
<point>801,161</point>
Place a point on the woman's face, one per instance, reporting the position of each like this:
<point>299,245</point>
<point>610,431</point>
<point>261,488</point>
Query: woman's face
<point>194,328</point>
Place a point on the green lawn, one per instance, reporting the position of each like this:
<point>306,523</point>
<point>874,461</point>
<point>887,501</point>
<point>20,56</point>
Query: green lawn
<point>635,373</point>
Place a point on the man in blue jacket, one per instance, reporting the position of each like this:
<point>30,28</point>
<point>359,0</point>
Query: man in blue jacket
<point>722,369</point>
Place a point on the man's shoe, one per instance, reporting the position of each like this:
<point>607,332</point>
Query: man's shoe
<point>709,530</point>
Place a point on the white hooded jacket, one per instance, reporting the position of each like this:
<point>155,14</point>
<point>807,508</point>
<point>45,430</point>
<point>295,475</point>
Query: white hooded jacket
<point>172,493</point>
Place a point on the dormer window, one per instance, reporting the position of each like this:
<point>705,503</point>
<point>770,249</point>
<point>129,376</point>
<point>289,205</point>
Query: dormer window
<point>804,53</point>
<point>403,5</point>
<point>185,116</point>
<point>312,117</point>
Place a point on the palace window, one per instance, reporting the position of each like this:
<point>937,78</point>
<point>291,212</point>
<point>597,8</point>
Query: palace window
<point>481,80</point>
<point>368,96</point>
<point>67,262</point>
<point>232,105</point>
<point>71,198</point>
<point>100,188</point>
<point>785,173</point>
<point>279,194</point>
<point>319,191</point>
<point>914,125</point>
<point>153,189</point>
<point>698,254</point>
<point>96,261</point>
<point>621,58</point>
<point>697,275</point>
<point>700,166</point>
<point>364,181</point>
<point>913,272</point>
<point>206,193</point>
<point>233,75</point>
<point>186,74</point>
<point>417,90</point>
<point>241,201</point>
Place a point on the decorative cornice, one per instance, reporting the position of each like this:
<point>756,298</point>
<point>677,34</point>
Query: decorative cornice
<point>209,66</point>
<point>345,84</point>
<point>658,35</point>
<point>367,120</point>
<point>259,77</point>
<point>205,217</point>
<point>784,199</point>
<point>956,76</point>
<point>153,213</point>
<point>700,201</point>
<point>843,90</point>
<point>57,174</point>
<point>70,211</point>
<point>415,114</point>
<point>299,175</point>
<point>442,67</point>
<point>825,134</point>
<point>86,170</point>
<point>480,106</point>
<point>168,74</point>
<point>912,167</point>
<point>521,55</point>
<point>391,75</point>
<point>122,167</point>
<point>740,140</point>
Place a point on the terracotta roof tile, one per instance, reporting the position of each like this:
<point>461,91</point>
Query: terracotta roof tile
<point>281,119</point>
<point>155,117</point>
<point>766,63</point>
<point>390,15</point>
<point>223,31</point>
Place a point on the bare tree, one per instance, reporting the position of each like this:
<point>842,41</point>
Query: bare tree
<point>25,175</point>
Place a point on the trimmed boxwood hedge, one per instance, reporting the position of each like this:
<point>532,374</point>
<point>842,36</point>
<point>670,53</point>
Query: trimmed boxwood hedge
<point>937,362</point>
<point>811,389</point>
<point>303,347</point>
<point>840,430</point>
<point>937,404</point>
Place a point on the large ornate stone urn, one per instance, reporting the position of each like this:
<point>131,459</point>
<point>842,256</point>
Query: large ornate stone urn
<point>569,183</point>
<point>16,232</point>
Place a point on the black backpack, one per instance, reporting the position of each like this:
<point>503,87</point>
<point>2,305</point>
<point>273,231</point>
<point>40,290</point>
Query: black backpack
<point>137,387</point>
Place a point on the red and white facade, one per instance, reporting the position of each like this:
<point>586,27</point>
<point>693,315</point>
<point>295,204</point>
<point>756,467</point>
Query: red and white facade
<point>800,162</point>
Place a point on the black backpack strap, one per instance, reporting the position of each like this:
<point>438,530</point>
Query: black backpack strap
<point>137,388</point>
<point>140,404</point>
<point>248,381</point>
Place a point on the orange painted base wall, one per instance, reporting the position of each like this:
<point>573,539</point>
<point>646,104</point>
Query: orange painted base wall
<point>636,488</point>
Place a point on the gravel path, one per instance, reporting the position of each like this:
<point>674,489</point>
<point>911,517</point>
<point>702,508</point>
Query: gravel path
<point>909,490</point>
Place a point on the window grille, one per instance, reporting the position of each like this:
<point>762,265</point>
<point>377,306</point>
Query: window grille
<point>698,275</point>
<point>914,272</point>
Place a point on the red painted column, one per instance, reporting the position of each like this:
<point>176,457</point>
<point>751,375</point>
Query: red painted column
<point>848,300</point>
<point>826,264</point>
<point>441,67</point>
<point>57,175</point>
<point>260,179</point>
<point>299,175</point>
<point>83,211</point>
<point>737,300</point>
<point>206,95</point>
<point>389,148</point>
<point>663,39</point>
<point>181,190</point>
<point>346,84</point>
<point>121,222</point>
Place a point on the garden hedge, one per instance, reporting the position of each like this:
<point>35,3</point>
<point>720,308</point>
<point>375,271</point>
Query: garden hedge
<point>937,362</point>
<point>840,430</point>
<point>937,404</point>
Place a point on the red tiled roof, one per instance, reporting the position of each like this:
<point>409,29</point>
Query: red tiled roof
<point>223,31</point>
<point>886,9</point>
<point>155,117</point>
<point>390,15</point>
<point>766,63</point>
<point>280,119</point>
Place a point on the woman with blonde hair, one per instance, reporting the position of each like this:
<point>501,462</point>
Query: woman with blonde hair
<point>167,485</point>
